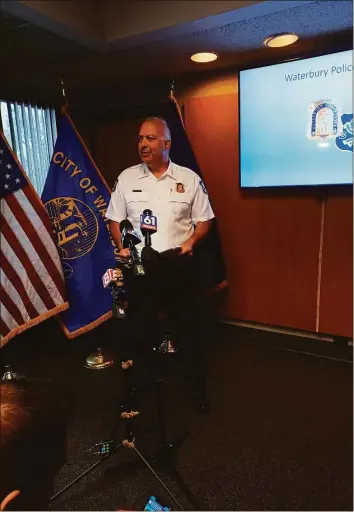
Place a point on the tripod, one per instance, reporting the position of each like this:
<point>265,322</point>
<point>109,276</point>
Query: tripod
<point>166,451</point>
<point>164,456</point>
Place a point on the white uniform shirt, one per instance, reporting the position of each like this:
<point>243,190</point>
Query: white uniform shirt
<point>178,199</point>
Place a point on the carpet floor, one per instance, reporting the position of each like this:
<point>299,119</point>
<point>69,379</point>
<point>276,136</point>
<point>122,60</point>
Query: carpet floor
<point>279,435</point>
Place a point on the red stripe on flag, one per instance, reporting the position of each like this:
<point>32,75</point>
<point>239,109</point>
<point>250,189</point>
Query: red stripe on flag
<point>40,210</point>
<point>27,264</point>
<point>16,282</point>
<point>11,306</point>
<point>36,241</point>
<point>4,330</point>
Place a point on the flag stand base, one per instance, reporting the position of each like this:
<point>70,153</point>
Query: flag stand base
<point>98,361</point>
<point>10,375</point>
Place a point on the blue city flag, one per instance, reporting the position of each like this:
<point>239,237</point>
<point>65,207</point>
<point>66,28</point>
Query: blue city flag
<point>76,198</point>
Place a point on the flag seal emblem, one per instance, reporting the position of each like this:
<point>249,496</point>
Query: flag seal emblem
<point>75,226</point>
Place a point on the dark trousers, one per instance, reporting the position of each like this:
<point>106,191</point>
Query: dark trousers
<point>165,301</point>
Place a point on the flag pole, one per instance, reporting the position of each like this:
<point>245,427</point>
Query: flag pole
<point>172,87</point>
<point>174,100</point>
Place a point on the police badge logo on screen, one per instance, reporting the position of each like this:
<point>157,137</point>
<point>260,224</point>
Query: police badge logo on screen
<point>344,141</point>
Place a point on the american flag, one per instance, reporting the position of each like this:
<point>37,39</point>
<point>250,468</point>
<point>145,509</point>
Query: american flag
<point>32,283</point>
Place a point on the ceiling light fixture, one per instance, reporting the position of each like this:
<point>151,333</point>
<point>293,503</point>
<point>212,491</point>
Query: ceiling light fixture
<point>279,40</point>
<point>204,57</point>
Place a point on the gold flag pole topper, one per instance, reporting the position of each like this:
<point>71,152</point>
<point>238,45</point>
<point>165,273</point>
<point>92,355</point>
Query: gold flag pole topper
<point>172,87</point>
<point>174,100</point>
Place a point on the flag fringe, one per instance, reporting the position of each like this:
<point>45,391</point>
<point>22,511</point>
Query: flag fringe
<point>33,322</point>
<point>86,328</point>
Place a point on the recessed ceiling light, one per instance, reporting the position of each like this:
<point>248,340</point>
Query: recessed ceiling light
<point>280,40</point>
<point>204,57</point>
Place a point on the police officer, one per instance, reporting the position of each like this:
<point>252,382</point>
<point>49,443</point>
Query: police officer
<point>178,198</point>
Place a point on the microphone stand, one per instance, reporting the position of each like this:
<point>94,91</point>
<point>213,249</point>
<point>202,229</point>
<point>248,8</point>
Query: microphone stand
<point>164,456</point>
<point>138,266</point>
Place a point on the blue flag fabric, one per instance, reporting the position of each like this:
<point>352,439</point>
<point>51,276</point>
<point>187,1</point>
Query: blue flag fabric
<point>76,197</point>
<point>211,267</point>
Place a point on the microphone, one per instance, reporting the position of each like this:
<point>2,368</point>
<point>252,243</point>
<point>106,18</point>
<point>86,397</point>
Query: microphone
<point>110,277</point>
<point>148,226</point>
<point>113,278</point>
<point>130,239</point>
<point>129,236</point>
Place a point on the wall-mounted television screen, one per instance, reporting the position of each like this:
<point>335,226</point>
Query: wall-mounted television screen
<point>296,123</point>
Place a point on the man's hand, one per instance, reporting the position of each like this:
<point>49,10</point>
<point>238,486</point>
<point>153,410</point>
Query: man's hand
<point>124,253</point>
<point>201,230</point>
<point>187,248</point>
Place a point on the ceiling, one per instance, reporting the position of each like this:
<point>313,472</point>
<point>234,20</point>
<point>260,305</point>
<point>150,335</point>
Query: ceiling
<point>36,52</point>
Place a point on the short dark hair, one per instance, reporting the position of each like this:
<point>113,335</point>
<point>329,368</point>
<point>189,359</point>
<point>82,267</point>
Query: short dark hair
<point>34,416</point>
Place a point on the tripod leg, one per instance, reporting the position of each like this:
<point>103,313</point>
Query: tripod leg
<point>161,410</point>
<point>157,477</point>
<point>86,472</point>
<point>183,486</point>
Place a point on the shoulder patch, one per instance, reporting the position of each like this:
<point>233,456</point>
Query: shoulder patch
<point>203,187</point>
<point>115,185</point>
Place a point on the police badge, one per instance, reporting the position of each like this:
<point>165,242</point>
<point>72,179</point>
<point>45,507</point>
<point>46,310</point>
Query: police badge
<point>323,120</point>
